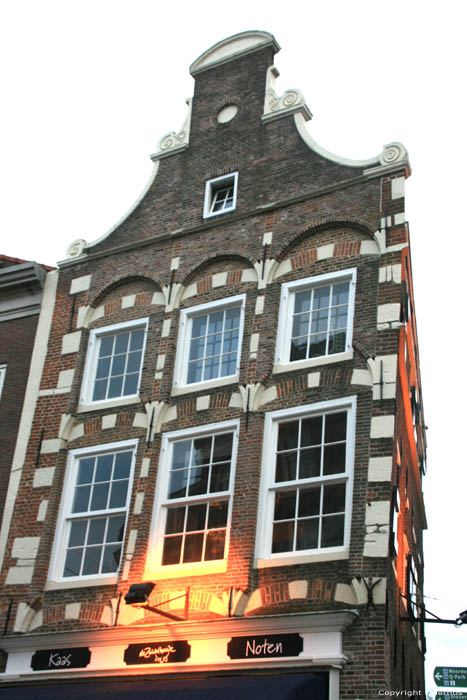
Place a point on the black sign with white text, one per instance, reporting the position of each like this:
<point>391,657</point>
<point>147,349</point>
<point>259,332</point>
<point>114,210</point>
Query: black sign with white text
<point>265,646</point>
<point>157,653</point>
<point>60,659</point>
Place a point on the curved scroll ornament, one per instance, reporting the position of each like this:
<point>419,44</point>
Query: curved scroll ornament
<point>277,106</point>
<point>393,153</point>
<point>76,248</point>
<point>174,142</point>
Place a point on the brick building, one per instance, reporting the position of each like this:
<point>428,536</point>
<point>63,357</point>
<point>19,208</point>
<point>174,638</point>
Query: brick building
<point>21,291</point>
<point>229,413</point>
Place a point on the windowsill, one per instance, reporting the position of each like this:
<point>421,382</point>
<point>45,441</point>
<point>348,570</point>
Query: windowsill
<point>313,362</point>
<point>292,560</point>
<point>109,403</point>
<point>184,571</point>
<point>218,213</point>
<point>80,583</point>
<point>204,386</point>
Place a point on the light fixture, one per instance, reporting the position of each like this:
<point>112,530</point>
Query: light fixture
<point>138,596</point>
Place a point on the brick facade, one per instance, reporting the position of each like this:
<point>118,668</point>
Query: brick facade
<point>299,215</point>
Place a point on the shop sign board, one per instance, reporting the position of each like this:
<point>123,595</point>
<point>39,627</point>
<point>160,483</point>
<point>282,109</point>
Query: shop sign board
<point>265,646</point>
<point>60,659</point>
<point>157,653</point>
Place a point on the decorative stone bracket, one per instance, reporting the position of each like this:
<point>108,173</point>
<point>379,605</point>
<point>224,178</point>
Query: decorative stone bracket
<point>291,102</point>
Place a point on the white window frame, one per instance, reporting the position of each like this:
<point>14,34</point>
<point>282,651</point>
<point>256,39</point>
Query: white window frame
<point>184,337</point>
<point>162,503</point>
<point>215,185</point>
<point>264,557</point>
<point>92,358</point>
<point>2,378</point>
<point>284,334</point>
<point>65,516</point>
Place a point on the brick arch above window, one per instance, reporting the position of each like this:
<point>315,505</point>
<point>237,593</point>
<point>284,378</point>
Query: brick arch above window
<point>221,271</point>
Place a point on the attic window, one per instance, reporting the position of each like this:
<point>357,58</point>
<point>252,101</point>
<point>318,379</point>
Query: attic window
<point>220,195</point>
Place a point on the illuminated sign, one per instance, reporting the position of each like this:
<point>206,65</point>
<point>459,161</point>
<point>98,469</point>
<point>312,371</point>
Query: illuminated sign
<point>263,647</point>
<point>157,653</point>
<point>60,659</point>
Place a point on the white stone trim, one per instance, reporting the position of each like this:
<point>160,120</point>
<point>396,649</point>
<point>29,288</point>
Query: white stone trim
<point>399,219</point>
<point>202,403</point>
<point>259,306</point>
<point>51,446</point>
<point>219,279</point>
<point>397,187</point>
<point>160,362</point>
<point>43,477</point>
<point>72,611</point>
<point>231,48</point>
<point>388,313</point>
<point>25,547</point>
<point>138,507</point>
<point>313,379</point>
<point>254,344</point>
<point>128,301</point>
<point>267,238</point>
<point>65,378</point>
<point>18,575</point>
<point>298,590</point>
<point>70,342</point>
<point>369,248</point>
<point>174,263</point>
<point>382,427</point>
<point>323,252</point>
<point>109,421</point>
<point>145,464</point>
<point>390,273</point>
<point>42,510</point>
<point>380,469</point>
<point>140,420</point>
<point>166,327</point>
<point>80,284</point>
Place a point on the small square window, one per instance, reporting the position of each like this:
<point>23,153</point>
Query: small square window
<point>316,319</point>
<point>210,342</point>
<point>220,195</point>
<point>114,362</point>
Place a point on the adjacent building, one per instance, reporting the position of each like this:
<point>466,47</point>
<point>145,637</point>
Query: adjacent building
<point>221,488</point>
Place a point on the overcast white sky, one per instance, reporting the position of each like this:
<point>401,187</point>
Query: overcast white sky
<point>89,88</point>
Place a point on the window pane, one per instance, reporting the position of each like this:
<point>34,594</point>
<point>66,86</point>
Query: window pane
<point>220,476</point>
<point>218,511</point>
<point>85,471</point>
<point>199,325</point>
<point>284,506</point>
<point>175,520</point>
<point>300,325</point>
<point>334,498</point>
<point>122,465</point>
<point>307,534</point>
<point>222,448</point>
<point>230,341</point>
<point>99,498</point>
<point>334,459</point>
<point>111,558</point>
<point>81,499</point>
<point>106,346</point>
<point>321,297</point>
<point>198,481</point>
<point>92,560</point>
<point>340,293</point>
<point>100,388</point>
<point>211,368</point>
<point>317,345</point>
<point>137,340</point>
<point>288,436</point>
<point>115,529</point>
<point>216,322</point>
<point>229,365</point>
<point>118,365</point>
<point>282,537</point>
<point>195,372</point>
<point>202,450</point>
<point>298,349</point>
<point>286,467</point>
<point>332,533</point>
<point>77,533</point>
<point>181,454</point>
<point>96,531</point>
<point>310,463</point>
<point>197,348</point>
<point>121,343</point>
<point>103,368</point>
<point>104,468</point>
<point>336,427</point>
<point>115,387</point>
<point>312,431</point>
<point>309,502</point>
<point>193,547</point>
<point>118,494</point>
<point>302,302</point>
<point>73,562</point>
<point>196,519</point>
<point>336,342</point>
<point>172,550</point>
<point>232,318</point>
<point>178,483</point>
<point>215,544</point>
<point>134,361</point>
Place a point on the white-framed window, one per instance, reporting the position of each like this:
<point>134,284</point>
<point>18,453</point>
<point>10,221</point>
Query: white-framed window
<point>114,362</point>
<point>316,318</point>
<point>306,486</point>
<point>220,195</point>
<point>194,497</point>
<point>92,520</point>
<point>2,378</point>
<point>210,342</point>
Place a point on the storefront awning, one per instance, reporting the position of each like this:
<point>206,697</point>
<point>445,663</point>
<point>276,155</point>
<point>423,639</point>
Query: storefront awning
<point>311,686</point>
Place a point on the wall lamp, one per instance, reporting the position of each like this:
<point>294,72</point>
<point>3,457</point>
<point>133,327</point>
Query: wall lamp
<point>138,596</point>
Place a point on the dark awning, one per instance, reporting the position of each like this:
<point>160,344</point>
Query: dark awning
<point>310,686</point>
